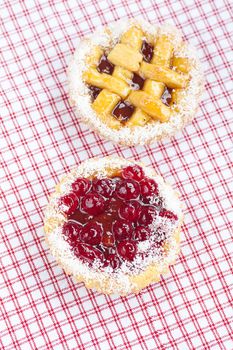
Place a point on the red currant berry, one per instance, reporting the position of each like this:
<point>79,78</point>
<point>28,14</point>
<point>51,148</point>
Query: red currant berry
<point>88,253</point>
<point>141,233</point>
<point>127,249</point>
<point>112,260</point>
<point>105,187</point>
<point>122,230</point>
<point>148,187</point>
<point>128,189</point>
<point>130,211</point>
<point>134,172</point>
<point>81,186</point>
<point>71,229</point>
<point>68,203</point>
<point>168,214</point>
<point>92,203</point>
<point>92,233</point>
<point>147,216</point>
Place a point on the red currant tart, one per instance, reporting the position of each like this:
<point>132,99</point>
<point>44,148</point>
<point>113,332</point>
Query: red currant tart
<point>114,225</point>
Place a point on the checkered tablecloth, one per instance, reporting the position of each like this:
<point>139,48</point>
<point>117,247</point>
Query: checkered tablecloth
<point>42,308</point>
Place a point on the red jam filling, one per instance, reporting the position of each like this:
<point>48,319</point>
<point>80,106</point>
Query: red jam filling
<point>105,66</point>
<point>166,97</point>
<point>147,51</point>
<point>108,217</point>
<point>137,82</point>
<point>94,92</point>
<point>123,111</point>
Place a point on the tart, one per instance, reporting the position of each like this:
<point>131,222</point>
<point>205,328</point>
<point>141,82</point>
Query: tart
<point>114,225</point>
<point>135,83</point>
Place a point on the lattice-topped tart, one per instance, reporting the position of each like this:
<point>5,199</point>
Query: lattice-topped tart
<point>135,83</point>
<point>114,225</point>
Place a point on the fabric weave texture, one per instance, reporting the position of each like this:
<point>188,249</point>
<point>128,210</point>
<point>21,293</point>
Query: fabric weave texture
<point>42,308</point>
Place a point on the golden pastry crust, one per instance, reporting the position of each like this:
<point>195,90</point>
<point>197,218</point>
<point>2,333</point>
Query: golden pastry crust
<point>152,273</point>
<point>140,129</point>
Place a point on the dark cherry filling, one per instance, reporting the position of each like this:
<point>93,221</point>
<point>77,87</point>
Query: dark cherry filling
<point>167,96</point>
<point>123,111</point>
<point>108,217</point>
<point>147,51</point>
<point>94,91</point>
<point>137,82</point>
<point>105,66</point>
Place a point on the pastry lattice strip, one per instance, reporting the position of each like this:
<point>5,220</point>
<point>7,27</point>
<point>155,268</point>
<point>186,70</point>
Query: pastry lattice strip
<point>128,61</point>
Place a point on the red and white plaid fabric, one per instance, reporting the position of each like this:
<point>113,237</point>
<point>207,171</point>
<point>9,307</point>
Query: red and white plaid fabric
<point>42,308</point>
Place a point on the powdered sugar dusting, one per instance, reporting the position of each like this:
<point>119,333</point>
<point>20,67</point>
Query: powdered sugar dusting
<point>120,278</point>
<point>80,98</point>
